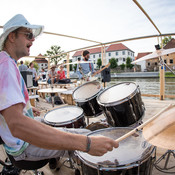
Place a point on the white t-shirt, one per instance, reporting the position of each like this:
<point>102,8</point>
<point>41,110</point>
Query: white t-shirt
<point>12,91</point>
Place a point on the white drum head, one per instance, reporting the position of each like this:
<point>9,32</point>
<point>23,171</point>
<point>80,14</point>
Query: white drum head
<point>117,92</point>
<point>63,115</point>
<point>130,150</point>
<point>86,91</point>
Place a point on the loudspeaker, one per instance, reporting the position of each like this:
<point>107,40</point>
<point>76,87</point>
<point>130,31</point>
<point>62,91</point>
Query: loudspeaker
<point>28,78</point>
<point>106,75</point>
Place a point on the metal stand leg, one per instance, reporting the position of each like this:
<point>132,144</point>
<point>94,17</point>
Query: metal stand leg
<point>165,156</point>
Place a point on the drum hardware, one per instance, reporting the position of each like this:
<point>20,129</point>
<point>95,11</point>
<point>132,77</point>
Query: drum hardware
<point>165,157</point>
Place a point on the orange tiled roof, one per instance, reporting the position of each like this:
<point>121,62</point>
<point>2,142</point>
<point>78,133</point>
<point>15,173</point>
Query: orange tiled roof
<point>139,55</point>
<point>170,44</point>
<point>112,47</point>
<point>115,47</point>
<point>39,59</point>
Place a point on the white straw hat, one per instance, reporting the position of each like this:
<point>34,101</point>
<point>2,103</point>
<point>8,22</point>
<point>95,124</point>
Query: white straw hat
<point>16,22</point>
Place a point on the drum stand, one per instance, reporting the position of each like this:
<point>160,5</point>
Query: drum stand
<point>71,163</point>
<point>165,156</point>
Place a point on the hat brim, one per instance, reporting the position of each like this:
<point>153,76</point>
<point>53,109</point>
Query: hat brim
<point>36,29</point>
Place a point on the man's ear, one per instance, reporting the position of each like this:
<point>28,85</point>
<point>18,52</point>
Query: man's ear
<point>12,37</point>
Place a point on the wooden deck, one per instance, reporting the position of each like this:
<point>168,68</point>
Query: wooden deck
<point>152,106</point>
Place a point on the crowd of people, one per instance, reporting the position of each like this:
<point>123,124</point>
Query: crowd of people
<point>50,76</point>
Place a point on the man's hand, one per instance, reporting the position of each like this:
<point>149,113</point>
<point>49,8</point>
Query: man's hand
<point>36,112</point>
<point>101,145</point>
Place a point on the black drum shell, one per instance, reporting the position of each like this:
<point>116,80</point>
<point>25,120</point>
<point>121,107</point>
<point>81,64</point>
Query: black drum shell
<point>143,169</point>
<point>126,113</point>
<point>91,107</point>
<point>79,123</point>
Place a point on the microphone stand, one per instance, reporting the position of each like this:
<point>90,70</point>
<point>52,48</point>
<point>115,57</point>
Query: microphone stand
<point>162,63</point>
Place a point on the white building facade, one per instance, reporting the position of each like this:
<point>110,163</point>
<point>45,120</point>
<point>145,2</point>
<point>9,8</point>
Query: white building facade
<point>118,51</point>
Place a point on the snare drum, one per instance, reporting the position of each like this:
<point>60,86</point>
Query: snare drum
<point>67,116</point>
<point>85,97</point>
<point>122,104</point>
<point>134,156</point>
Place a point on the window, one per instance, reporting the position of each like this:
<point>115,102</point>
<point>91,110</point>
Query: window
<point>171,61</point>
<point>155,63</point>
<point>148,64</point>
<point>164,61</point>
<point>100,55</point>
<point>93,56</point>
<point>45,64</point>
<point>116,53</point>
<point>128,53</point>
<point>42,65</point>
<point>109,54</point>
<point>123,59</point>
<point>94,61</point>
<point>123,52</point>
<point>117,59</point>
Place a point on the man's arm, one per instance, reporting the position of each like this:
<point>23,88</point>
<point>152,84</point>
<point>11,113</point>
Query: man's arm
<point>47,137</point>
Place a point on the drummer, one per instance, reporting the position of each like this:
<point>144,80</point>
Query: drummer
<point>24,137</point>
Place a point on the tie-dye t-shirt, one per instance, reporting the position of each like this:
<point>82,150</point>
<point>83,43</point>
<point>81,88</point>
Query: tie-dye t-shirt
<point>12,91</point>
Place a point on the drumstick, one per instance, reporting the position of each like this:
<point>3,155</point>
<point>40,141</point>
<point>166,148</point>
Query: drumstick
<point>143,125</point>
<point>47,110</point>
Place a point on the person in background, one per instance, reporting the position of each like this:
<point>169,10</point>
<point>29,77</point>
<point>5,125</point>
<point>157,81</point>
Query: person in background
<point>22,67</point>
<point>24,137</point>
<point>52,75</point>
<point>33,70</point>
<point>78,69</point>
<point>62,76</point>
<point>43,75</point>
<point>85,68</point>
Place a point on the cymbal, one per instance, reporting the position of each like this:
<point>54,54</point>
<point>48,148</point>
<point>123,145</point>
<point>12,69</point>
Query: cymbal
<point>155,54</point>
<point>161,131</point>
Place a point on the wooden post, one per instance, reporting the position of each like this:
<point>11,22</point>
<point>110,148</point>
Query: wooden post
<point>101,54</point>
<point>162,82</point>
<point>68,72</point>
<point>162,78</point>
<point>48,63</point>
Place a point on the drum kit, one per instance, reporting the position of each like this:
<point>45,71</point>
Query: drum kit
<point>123,108</point>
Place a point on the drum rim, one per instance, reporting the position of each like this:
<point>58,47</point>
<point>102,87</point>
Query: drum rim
<point>114,167</point>
<point>86,99</point>
<point>67,122</point>
<point>119,101</point>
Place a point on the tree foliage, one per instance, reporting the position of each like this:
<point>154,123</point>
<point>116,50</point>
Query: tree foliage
<point>113,63</point>
<point>128,63</point>
<point>99,63</point>
<point>122,66</point>
<point>166,40</point>
<point>35,65</point>
<point>55,50</point>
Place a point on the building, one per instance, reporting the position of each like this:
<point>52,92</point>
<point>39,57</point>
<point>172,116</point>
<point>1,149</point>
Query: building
<point>118,51</point>
<point>148,65</point>
<point>42,62</point>
<point>170,58</point>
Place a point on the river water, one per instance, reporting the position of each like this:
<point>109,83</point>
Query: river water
<point>149,85</point>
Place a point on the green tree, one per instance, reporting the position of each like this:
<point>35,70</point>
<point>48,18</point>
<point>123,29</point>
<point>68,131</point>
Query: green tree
<point>27,63</point>
<point>113,63</point>
<point>99,62</point>
<point>122,66</point>
<point>128,63</point>
<point>35,65</point>
<point>55,50</point>
<point>166,40</point>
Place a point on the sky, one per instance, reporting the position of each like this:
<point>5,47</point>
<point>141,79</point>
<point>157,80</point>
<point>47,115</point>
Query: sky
<point>98,20</point>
